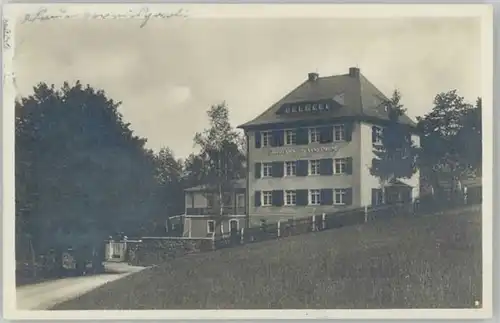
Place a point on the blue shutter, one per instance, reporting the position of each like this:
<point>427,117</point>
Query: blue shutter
<point>258,138</point>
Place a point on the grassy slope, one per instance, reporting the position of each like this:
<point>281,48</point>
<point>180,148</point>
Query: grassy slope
<point>431,262</point>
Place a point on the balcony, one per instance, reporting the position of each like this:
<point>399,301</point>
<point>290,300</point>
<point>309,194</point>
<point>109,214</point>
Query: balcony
<point>214,211</point>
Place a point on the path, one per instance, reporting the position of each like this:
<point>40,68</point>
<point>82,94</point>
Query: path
<point>45,295</point>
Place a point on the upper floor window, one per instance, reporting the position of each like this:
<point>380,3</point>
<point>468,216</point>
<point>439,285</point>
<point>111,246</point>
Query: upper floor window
<point>290,137</point>
<point>376,135</point>
<point>314,197</point>
<point>290,198</point>
<point>314,135</point>
<point>339,165</point>
<point>314,167</point>
<point>290,168</point>
<point>339,132</point>
<point>267,169</point>
<point>266,138</point>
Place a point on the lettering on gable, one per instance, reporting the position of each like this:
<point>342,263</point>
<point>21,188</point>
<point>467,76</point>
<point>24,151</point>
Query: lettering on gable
<point>306,151</point>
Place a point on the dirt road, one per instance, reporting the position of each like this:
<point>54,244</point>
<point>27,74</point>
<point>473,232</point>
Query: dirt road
<point>44,295</point>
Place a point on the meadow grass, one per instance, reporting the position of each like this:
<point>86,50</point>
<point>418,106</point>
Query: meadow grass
<point>426,262</point>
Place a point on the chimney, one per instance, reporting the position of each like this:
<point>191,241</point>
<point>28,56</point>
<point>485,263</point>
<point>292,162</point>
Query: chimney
<point>354,72</point>
<point>312,76</point>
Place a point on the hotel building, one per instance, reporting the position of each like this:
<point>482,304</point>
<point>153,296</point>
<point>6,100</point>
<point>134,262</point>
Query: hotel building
<point>311,151</point>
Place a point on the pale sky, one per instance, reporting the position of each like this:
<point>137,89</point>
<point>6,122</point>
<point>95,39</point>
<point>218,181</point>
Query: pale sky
<point>170,72</point>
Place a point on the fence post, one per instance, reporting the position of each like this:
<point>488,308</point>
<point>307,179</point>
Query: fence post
<point>366,213</point>
<point>313,223</point>
<point>323,218</point>
<point>279,228</point>
<point>242,240</point>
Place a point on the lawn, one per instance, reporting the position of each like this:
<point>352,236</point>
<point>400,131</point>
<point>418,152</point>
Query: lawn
<point>427,262</point>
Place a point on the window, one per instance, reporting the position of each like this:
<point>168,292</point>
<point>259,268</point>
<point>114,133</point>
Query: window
<point>338,132</point>
<point>376,135</point>
<point>267,169</point>
<point>267,198</point>
<point>377,197</point>
<point>290,168</point>
<point>339,196</point>
<point>339,165</point>
<point>210,226</point>
<point>290,137</point>
<point>314,167</point>
<point>290,198</point>
<point>210,200</point>
<point>313,135</point>
<point>314,197</point>
<point>266,138</point>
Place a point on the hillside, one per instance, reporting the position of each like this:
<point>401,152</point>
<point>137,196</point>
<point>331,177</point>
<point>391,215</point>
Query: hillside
<point>428,262</point>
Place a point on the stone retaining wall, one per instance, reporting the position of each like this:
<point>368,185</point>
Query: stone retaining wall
<point>152,251</point>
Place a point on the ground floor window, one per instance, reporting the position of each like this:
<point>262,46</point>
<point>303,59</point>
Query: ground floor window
<point>339,196</point>
<point>314,197</point>
<point>267,198</point>
<point>211,226</point>
<point>290,198</point>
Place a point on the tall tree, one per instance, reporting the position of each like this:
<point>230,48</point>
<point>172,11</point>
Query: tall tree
<point>221,157</point>
<point>444,137</point>
<point>469,140</point>
<point>170,181</point>
<point>81,173</point>
<point>396,154</point>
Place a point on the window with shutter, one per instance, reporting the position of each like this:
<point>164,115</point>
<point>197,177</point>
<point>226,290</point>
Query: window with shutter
<point>326,166</point>
<point>339,165</point>
<point>339,196</point>
<point>258,167</point>
<point>348,129</point>
<point>290,197</point>
<point>267,169</point>
<point>302,197</point>
<point>327,196</point>
<point>348,196</point>
<point>302,136</point>
<point>314,135</point>
<point>348,165</point>
<point>290,137</point>
<point>267,198</point>
<point>277,169</point>
<point>290,168</point>
<point>326,134</point>
<point>314,167</point>
<point>277,138</point>
<point>302,169</point>
<point>339,132</point>
<point>314,197</point>
<point>257,198</point>
<point>376,135</point>
<point>266,138</point>
<point>277,196</point>
<point>257,139</point>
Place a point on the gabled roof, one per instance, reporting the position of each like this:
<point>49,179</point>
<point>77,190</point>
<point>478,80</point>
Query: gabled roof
<point>360,98</point>
<point>237,184</point>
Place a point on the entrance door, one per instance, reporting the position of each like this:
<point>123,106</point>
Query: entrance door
<point>240,204</point>
<point>234,231</point>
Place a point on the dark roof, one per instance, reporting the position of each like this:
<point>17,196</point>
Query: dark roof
<point>361,99</point>
<point>237,184</point>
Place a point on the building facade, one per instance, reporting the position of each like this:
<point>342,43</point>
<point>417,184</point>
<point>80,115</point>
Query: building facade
<point>202,215</point>
<point>311,152</point>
